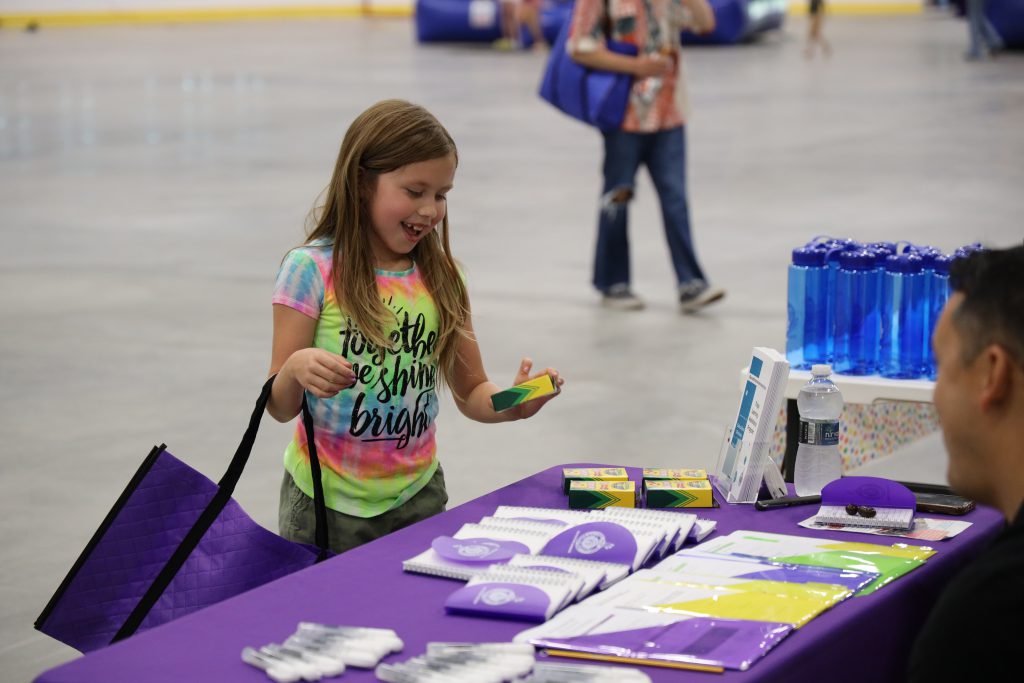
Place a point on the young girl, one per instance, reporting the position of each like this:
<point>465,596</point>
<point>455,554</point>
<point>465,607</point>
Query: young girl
<point>369,315</point>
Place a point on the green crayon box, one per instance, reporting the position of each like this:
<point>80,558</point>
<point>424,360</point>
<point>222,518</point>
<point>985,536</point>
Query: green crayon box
<point>571,474</point>
<point>521,393</point>
<point>592,495</point>
<point>674,493</point>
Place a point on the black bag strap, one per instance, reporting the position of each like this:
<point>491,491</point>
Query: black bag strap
<point>319,504</point>
<point>225,487</point>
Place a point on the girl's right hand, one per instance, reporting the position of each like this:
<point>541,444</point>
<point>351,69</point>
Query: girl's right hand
<point>652,65</point>
<point>321,372</point>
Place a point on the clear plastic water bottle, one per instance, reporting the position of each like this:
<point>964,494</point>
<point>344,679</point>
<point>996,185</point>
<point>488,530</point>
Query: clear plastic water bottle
<point>817,456</point>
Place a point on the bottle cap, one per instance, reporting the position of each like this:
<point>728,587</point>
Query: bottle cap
<point>880,248</point>
<point>832,242</point>
<point>880,254</point>
<point>968,249</point>
<point>857,260</point>
<point>808,256</point>
<point>942,263</point>
<point>927,254</point>
<point>834,247</point>
<point>909,264</point>
<point>821,370</point>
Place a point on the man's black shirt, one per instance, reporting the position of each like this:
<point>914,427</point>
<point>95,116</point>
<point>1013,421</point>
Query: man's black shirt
<point>976,630</point>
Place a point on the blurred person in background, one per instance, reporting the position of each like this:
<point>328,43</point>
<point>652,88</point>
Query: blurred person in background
<point>515,15</point>
<point>816,20</point>
<point>984,41</point>
<point>652,134</point>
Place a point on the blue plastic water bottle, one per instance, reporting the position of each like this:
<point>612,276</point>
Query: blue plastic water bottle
<point>902,340</point>
<point>928,255</point>
<point>857,314</point>
<point>938,294</point>
<point>833,247</point>
<point>807,308</point>
<point>881,251</point>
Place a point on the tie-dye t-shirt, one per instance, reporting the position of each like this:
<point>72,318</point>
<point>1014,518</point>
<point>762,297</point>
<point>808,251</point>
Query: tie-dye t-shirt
<point>375,439</point>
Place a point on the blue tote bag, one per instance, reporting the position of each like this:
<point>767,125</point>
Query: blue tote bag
<point>597,98</point>
<point>173,543</point>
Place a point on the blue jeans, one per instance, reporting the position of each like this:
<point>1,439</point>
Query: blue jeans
<point>982,34</point>
<point>664,154</point>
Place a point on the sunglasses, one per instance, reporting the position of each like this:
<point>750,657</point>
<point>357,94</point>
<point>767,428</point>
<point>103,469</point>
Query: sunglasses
<point>862,510</point>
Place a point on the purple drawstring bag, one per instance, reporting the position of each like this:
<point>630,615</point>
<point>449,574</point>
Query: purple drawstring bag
<point>173,543</point>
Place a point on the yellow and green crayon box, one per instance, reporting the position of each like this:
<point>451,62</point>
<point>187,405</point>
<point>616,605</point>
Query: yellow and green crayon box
<point>521,393</point>
<point>591,495</point>
<point>673,493</point>
<point>666,473</point>
<point>571,474</point>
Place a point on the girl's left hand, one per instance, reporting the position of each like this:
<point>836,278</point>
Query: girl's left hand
<point>530,408</point>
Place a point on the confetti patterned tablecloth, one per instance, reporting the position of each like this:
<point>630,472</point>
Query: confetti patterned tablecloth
<point>871,431</point>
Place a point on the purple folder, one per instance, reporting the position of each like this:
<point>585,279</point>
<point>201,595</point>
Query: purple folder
<point>729,643</point>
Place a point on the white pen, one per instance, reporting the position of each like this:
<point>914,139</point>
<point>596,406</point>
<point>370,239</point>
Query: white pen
<point>308,670</point>
<point>384,633</point>
<point>524,649</point>
<point>547,672</point>
<point>352,653</point>
<point>275,669</point>
<point>399,673</point>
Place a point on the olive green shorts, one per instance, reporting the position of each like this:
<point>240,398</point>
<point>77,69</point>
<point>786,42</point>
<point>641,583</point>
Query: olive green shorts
<point>297,521</point>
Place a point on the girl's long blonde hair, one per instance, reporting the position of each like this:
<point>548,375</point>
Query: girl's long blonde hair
<point>387,136</point>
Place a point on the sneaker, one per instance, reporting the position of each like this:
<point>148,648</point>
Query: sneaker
<point>505,44</point>
<point>621,298</point>
<point>695,295</point>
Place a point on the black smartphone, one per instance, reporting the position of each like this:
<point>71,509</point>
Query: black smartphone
<point>939,498</point>
<point>943,503</point>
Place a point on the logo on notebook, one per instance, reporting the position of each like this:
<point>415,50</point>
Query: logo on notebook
<point>498,596</point>
<point>479,549</point>
<point>591,542</point>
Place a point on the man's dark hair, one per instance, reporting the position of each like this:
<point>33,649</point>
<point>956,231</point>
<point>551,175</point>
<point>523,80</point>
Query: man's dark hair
<point>992,310</point>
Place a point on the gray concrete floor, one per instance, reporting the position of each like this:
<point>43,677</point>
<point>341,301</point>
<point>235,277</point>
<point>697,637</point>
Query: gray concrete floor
<point>151,178</point>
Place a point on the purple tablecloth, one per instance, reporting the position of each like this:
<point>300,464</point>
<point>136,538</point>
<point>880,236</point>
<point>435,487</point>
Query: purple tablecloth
<point>863,639</point>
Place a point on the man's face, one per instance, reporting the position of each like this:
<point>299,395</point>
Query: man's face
<point>958,411</point>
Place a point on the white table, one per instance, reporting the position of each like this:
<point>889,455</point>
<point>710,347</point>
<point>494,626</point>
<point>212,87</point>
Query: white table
<point>857,390</point>
<point>864,389</point>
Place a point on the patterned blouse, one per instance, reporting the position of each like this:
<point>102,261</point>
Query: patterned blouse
<point>653,26</point>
